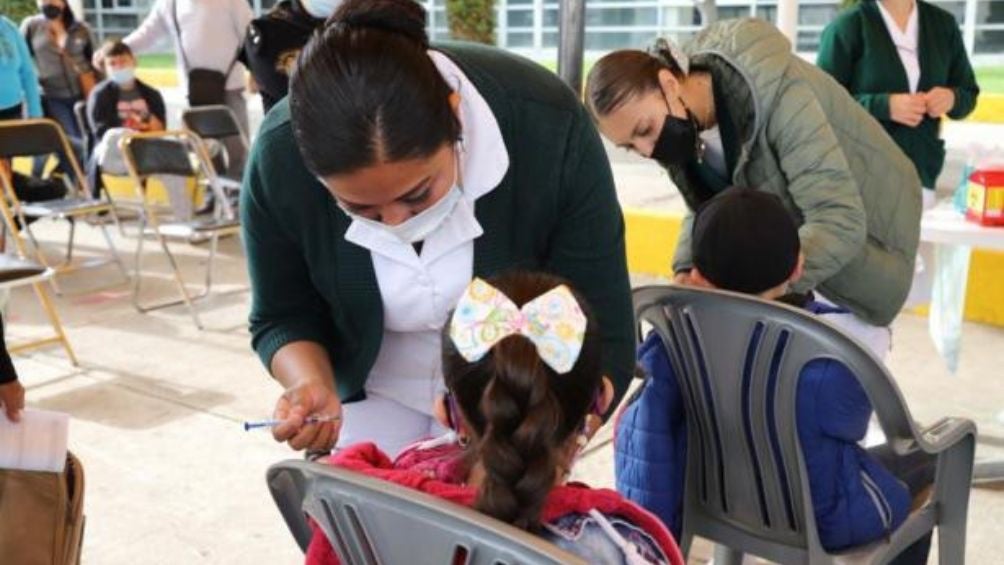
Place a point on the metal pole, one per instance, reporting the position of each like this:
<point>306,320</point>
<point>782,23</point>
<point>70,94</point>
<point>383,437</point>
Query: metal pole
<point>571,39</point>
<point>787,20</point>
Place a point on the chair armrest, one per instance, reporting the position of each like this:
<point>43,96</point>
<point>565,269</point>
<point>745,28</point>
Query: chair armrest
<point>945,433</point>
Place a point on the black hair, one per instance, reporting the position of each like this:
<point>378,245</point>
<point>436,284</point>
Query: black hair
<point>521,413</point>
<point>364,90</point>
<point>623,74</point>
<point>116,48</point>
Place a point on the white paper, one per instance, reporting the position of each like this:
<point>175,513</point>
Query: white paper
<point>36,443</point>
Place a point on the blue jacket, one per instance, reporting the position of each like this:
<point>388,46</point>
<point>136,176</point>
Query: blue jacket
<point>855,499</point>
<point>18,80</point>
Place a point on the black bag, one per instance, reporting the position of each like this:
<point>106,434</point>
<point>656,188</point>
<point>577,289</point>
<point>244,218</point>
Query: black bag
<point>206,87</point>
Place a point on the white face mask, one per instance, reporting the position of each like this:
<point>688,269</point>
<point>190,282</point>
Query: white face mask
<point>320,8</point>
<point>421,225</point>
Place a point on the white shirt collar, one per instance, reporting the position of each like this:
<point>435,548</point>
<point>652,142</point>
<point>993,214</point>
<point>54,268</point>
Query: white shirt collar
<point>907,39</point>
<point>485,159</point>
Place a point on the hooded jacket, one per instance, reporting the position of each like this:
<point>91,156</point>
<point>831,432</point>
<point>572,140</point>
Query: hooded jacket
<point>854,193</point>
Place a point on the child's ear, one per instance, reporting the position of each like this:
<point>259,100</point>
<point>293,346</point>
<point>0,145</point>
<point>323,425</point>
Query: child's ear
<point>607,396</point>
<point>796,275</point>
<point>440,412</point>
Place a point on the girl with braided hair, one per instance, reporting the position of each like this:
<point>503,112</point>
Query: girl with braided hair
<point>525,392</point>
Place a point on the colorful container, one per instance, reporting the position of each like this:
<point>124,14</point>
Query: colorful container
<point>986,197</point>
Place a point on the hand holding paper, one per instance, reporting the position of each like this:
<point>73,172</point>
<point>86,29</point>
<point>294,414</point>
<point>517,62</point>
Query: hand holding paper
<point>36,443</point>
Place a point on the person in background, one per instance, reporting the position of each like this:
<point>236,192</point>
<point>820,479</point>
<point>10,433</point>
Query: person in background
<point>745,241</point>
<point>208,34</point>
<point>735,106</point>
<point>274,41</point>
<point>120,104</point>
<point>19,92</point>
<point>525,393</point>
<point>905,63</point>
<point>62,48</point>
<point>11,390</point>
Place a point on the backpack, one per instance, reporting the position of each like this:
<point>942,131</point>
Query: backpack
<point>42,515</point>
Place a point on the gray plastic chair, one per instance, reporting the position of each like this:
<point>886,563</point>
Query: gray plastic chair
<point>370,521</point>
<point>746,486</point>
<point>175,153</point>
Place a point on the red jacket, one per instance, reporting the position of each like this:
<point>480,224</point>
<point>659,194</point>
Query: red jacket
<point>365,458</point>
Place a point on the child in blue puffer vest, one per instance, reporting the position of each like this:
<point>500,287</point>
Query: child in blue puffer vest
<point>744,241</point>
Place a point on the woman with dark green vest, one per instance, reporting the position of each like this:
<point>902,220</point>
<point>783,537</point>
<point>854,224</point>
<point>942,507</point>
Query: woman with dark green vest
<point>736,107</point>
<point>905,63</point>
<point>392,174</point>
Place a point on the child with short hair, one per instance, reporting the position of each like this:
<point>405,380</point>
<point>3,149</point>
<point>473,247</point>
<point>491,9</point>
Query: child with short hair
<point>745,241</point>
<point>522,365</point>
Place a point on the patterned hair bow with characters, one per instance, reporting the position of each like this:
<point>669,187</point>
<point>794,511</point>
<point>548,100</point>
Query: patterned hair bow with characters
<point>553,321</point>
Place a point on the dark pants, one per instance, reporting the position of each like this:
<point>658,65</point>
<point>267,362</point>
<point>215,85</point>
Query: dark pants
<point>917,471</point>
<point>61,110</point>
<point>12,113</point>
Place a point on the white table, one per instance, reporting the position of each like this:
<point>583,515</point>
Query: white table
<point>943,225</point>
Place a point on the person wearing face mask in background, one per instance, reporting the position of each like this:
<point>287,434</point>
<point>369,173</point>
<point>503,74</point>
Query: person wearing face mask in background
<point>738,107</point>
<point>62,48</point>
<point>392,174</point>
<point>274,41</point>
<point>120,104</point>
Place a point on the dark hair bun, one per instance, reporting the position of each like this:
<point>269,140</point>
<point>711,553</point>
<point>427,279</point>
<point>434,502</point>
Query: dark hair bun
<point>403,17</point>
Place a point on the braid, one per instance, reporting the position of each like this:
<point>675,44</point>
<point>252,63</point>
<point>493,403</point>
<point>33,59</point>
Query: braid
<point>523,420</point>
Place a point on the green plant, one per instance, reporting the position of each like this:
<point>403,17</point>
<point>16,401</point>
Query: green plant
<point>18,10</point>
<point>472,20</point>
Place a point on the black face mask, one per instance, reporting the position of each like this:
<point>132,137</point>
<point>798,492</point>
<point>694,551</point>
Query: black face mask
<point>51,11</point>
<point>677,142</point>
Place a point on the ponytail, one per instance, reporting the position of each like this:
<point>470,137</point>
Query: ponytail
<point>521,413</point>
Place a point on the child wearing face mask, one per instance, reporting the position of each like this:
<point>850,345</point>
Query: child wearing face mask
<point>120,104</point>
<point>745,241</point>
<point>522,367</point>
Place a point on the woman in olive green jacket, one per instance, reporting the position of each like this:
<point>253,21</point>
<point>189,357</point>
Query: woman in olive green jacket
<point>737,107</point>
<point>905,63</point>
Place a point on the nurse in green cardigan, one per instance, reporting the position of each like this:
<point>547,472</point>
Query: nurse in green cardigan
<point>393,174</point>
<point>905,63</point>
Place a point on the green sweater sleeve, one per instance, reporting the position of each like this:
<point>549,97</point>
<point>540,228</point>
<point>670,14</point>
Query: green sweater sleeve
<point>961,78</point>
<point>588,247</point>
<point>839,52</point>
<point>285,306</point>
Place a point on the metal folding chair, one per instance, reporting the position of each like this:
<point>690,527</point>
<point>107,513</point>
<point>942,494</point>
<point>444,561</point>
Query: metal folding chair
<point>31,138</point>
<point>737,360</point>
<point>217,123</point>
<point>369,521</point>
<point>175,153</point>
<point>16,270</point>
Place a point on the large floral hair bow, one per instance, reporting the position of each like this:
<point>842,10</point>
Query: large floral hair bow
<point>553,321</point>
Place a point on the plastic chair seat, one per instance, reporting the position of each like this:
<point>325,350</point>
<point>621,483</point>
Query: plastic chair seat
<point>65,207</point>
<point>13,268</point>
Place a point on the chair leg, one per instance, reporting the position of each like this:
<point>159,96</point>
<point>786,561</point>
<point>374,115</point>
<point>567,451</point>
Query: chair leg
<point>50,311</point>
<point>70,242</point>
<point>725,555</point>
<point>40,255</point>
<point>180,282</point>
<point>952,486</point>
<point>114,252</point>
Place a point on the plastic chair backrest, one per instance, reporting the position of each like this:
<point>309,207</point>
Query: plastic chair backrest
<point>737,360</point>
<point>212,122</point>
<point>28,138</point>
<point>370,521</point>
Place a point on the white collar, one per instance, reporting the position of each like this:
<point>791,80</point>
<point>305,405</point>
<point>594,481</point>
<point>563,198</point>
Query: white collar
<point>485,158</point>
<point>905,39</point>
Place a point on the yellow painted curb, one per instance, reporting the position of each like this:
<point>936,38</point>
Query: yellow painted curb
<point>651,239</point>
<point>158,78</point>
<point>989,109</point>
